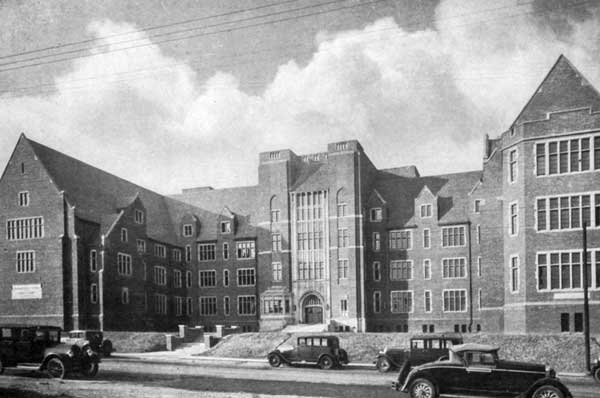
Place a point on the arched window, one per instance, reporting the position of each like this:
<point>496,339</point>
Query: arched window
<point>275,209</point>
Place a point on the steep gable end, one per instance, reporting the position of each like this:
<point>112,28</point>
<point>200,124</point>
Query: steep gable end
<point>564,88</point>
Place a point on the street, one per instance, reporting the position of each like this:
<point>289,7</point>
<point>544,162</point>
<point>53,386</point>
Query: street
<point>120,377</point>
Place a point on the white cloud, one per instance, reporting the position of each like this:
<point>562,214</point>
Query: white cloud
<point>423,98</point>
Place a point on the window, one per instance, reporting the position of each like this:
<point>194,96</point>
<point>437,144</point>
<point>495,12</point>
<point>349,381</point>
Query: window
<point>93,260</point>
<point>138,216</point>
<point>426,238</point>
<point>567,212</point>
<point>564,322</point>
<point>188,230</point>
<point>160,275</point>
<point>477,206</point>
<point>427,301</point>
<point>344,307</point>
<point>426,210</point>
<point>342,269</point>
<point>189,309</point>
<point>226,305</point>
<point>124,295</point>
<point>343,237</point>
<point>124,235</point>
<point>188,253</point>
<point>479,266</point>
<point>25,228</point>
<point>514,219</point>
<point>94,293</point>
<point>376,302</point>
<point>453,236</point>
<point>567,156</point>
<point>514,273</point>
<point>455,300</point>
<point>578,322</point>
<point>141,245</point>
<point>24,198</point>
<point>177,255</point>
<point>246,277</point>
<point>478,233</point>
<point>245,249</point>
<point>275,215</point>
<point>401,301</point>
<point>512,160</point>
<point>400,240</point>
<point>277,272</point>
<point>226,277</point>
<point>25,261</point>
<point>341,209</point>
<point>177,280</point>
<point>376,214</point>
<point>479,300</point>
<point>276,242</point>
<point>188,279</point>
<point>225,227</point>
<point>563,270</point>
<point>160,250</point>
<point>206,251</point>
<point>427,269</point>
<point>207,305</point>
<point>275,306</point>
<point>376,241</point>
<point>124,264</point>
<point>246,305</point>
<point>160,304</point>
<point>207,278</point>
<point>225,251</point>
<point>401,270</point>
<point>178,306</point>
<point>454,268</point>
<point>376,271</point>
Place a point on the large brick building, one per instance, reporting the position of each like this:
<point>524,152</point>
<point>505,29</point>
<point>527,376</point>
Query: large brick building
<point>322,238</point>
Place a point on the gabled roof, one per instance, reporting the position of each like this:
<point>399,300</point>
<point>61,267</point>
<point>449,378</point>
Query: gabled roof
<point>563,88</point>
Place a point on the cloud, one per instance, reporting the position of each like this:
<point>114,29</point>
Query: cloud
<point>424,97</point>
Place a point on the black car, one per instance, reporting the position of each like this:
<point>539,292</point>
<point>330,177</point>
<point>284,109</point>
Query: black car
<point>39,347</point>
<point>323,351</point>
<point>596,370</point>
<point>423,348</point>
<point>475,369</point>
<point>90,338</point>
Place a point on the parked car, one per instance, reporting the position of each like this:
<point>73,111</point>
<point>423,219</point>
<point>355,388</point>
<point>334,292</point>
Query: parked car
<point>92,338</point>
<point>323,351</point>
<point>39,347</point>
<point>596,370</point>
<point>423,348</point>
<point>475,369</point>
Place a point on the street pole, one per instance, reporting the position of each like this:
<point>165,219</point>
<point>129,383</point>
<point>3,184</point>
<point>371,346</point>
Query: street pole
<point>586,304</point>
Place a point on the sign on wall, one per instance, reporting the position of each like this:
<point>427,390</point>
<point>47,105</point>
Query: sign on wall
<point>27,292</point>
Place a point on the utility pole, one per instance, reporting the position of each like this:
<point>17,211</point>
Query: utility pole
<point>586,304</point>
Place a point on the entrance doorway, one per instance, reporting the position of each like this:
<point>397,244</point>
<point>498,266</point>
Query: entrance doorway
<point>313,310</point>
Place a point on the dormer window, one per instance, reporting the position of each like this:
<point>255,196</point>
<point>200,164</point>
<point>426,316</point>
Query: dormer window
<point>138,216</point>
<point>477,206</point>
<point>24,198</point>
<point>426,210</point>
<point>124,237</point>
<point>225,227</point>
<point>188,230</point>
<point>376,214</point>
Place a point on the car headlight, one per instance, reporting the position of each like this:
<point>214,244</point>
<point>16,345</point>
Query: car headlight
<point>550,372</point>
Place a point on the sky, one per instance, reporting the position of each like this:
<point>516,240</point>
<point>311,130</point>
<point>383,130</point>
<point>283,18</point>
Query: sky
<point>174,94</point>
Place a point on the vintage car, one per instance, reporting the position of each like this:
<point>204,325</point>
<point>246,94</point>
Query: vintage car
<point>596,370</point>
<point>40,348</point>
<point>323,351</point>
<point>475,369</point>
<point>423,348</point>
<point>90,338</point>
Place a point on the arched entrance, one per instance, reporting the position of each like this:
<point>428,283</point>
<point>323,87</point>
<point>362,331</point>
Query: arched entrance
<point>312,309</point>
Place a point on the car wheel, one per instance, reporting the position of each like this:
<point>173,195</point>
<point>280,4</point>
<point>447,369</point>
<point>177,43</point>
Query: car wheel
<point>596,373</point>
<point>56,368</point>
<point>422,388</point>
<point>107,348</point>
<point>548,392</point>
<point>89,369</point>
<point>274,360</point>
<point>326,362</point>
<point>383,365</point>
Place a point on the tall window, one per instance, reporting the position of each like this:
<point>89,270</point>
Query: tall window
<point>344,307</point>
<point>308,231</point>
<point>160,250</point>
<point>25,261</point>
<point>277,272</point>
<point>426,210</point>
<point>188,279</point>
<point>512,165</point>
<point>177,279</point>
<point>246,277</point>
<point>160,304</point>
<point>567,212</point>
<point>514,273</point>
<point>478,233</point>
<point>426,238</point>
<point>124,264</point>
<point>226,306</point>
<point>427,300</point>
<point>341,204</point>
<point>178,306</point>
<point>477,206</point>
<point>160,275</point>
<point>376,302</point>
<point>24,198</point>
<point>245,249</point>
<point>207,278</point>
<point>342,269</point>
<point>188,253</point>
<point>189,309</point>
<point>453,236</point>
<point>124,237</point>
<point>93,260</point>
<point>427,269</point>
<point>94,293</point>
<point>141,245</point>
<point>25,228</point>
<point>177,255</point>
<point>207,305</point>
<point>225,251</point>
<point>376,271</point>
<point>400,240</point>
<point>124,295</point>
<point>225,227</point>
<point>376,214</point>
<point>275,215</point>
<point>376,241</point>
<point>188,230</point>
<point>401,270</point>
<point>276,242</point>
<point>401,301</point>
<point>455,300</point>
<point>514,219</point>
<point>138,216</point>
<point>343,237</point>
<point>479,266</point>
<point>567,156</point>
<point>246,305</point>
<point>206,251</point>
<point>225,277</point>
<point>454,267</point>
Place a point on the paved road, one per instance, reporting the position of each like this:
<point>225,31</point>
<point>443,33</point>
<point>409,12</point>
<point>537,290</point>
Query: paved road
<point>130,378</point>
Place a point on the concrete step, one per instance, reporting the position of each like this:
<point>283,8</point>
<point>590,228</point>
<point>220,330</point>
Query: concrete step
<point>303,328</point>
<point>191,348</point>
